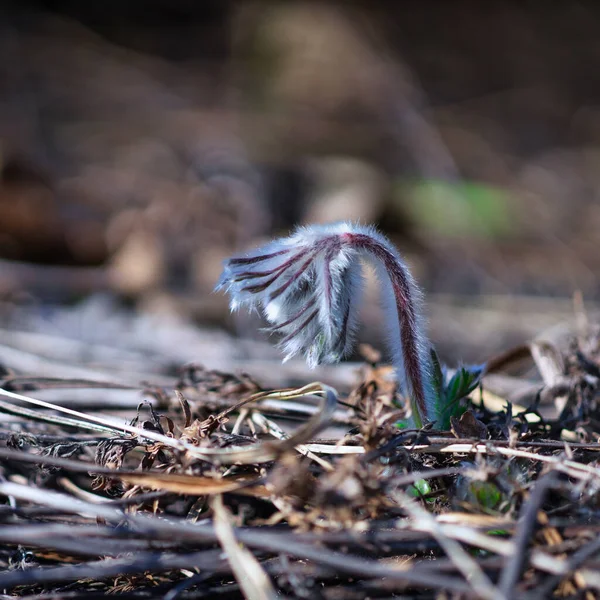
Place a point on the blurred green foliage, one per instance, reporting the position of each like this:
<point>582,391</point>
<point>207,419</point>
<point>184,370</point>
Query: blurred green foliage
<point>420,488</point>
<point>458,209</point>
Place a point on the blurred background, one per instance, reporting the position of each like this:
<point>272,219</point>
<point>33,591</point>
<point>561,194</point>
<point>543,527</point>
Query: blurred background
<point>143,142</point>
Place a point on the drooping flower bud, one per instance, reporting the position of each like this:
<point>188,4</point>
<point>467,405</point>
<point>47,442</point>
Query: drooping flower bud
<point>309,286</point>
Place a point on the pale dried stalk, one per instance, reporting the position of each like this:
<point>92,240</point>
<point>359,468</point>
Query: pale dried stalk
<point>259,453</point>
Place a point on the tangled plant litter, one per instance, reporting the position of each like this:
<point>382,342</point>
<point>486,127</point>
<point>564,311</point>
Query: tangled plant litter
<point>498,507</point>
<point>309,286</point>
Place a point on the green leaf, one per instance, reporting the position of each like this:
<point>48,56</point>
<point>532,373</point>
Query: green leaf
<point>419,489</point>
<point>463,382</point>
<point>437,374</point>
<point>486,494</point>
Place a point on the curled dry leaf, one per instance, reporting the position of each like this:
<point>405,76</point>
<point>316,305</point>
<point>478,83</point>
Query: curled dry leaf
<point>468,426</point>
<point>185,407</point>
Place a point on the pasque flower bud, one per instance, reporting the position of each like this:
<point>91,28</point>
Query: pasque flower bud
<point>308,286</point>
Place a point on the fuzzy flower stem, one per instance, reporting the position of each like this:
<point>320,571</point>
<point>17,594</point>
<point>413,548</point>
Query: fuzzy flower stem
<point>407,353</point>
<point>308,286</point>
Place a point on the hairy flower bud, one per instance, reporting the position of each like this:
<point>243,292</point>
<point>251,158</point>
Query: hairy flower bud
<point>308,287</point>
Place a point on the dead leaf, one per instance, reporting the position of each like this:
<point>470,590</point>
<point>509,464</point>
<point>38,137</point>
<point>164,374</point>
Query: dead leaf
<point>468,426</point>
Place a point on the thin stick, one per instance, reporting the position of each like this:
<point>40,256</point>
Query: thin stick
<point>572,564</point>
<point>185,531</point>
<point>527,521</point>
<point>278,433</point>
<point>471,571</point>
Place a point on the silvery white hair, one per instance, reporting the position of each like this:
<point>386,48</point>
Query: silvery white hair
<point>309,286</point>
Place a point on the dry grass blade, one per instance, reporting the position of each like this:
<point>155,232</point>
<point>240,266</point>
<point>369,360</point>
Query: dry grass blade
<point>260,453</point>
<point>548,360</point>
<point>196,485</point>
<point>572,468</point>
<point>333,449</point>
<point>172,482</point>
<point>61,502</point>
<point>277,432</point>
<point>466,565</point>
<point>528,519</point>
<point>83,420</point>
<point>253,580</point>
<point>33,415</point>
